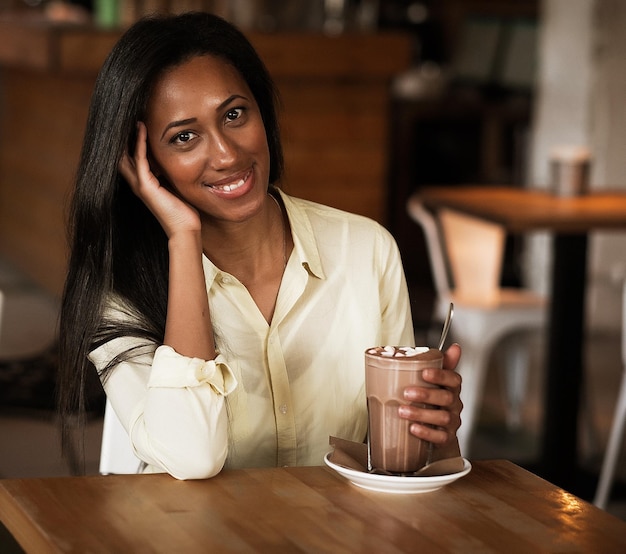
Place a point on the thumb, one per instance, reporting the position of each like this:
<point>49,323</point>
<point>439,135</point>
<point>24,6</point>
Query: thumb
<point>452,356</point>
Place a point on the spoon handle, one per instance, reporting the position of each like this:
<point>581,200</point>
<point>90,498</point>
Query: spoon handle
<point>446,326</point>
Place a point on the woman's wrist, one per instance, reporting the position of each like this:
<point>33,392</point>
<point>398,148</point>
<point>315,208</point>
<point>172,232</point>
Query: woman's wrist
<point>185,241</point>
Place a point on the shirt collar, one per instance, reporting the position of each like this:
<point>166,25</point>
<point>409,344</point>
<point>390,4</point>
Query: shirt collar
<point>305,244</point>
<point>210,270</point>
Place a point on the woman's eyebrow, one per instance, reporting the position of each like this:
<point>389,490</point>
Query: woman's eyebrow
<point>178,124</point>
<point>229,100</point>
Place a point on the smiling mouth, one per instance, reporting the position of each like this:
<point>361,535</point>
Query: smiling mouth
<point>229,187</point>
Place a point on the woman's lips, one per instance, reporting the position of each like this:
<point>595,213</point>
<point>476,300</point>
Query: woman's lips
<point>233,184</point>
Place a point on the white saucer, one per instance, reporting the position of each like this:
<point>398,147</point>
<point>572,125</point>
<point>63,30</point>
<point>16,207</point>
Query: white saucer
<point>397,484</point>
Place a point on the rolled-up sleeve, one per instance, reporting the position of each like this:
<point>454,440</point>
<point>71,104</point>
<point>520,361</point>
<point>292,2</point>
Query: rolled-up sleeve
<point>172,406</point>
<point>170,369</point>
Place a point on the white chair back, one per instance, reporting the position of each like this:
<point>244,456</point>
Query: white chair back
<point>475,250</point>
<point>434,245</point>
<point>116,454</point>
<point>470,251</point>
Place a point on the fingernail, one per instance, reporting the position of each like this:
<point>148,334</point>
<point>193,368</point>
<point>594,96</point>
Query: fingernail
<point>414,394</point>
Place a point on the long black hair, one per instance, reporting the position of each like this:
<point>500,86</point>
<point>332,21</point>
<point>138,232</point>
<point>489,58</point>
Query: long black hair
<point>117,247</point>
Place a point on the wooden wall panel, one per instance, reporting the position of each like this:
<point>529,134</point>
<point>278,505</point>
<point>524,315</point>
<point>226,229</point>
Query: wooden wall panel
<point>336,140</point>
<point>43,119</point>
<point>335,122</point>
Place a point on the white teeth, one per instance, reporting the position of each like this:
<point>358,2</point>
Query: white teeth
<point>231,187</point>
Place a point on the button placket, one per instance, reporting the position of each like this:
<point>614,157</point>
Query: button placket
<point>285,421</point>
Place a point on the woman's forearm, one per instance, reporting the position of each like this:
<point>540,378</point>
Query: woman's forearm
<point>188,328</point>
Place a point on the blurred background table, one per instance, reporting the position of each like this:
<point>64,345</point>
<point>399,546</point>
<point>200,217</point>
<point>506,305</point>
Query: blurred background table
<point>497,507</point>
<point>569,220</point>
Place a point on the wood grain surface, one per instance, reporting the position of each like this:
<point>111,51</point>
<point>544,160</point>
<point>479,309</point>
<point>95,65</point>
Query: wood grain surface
<point>497,507</point>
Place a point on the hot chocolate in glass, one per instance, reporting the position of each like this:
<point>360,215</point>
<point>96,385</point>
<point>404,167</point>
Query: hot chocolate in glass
<point>388,371</point>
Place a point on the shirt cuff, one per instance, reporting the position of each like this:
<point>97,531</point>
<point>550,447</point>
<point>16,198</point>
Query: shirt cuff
<point>173,370</point>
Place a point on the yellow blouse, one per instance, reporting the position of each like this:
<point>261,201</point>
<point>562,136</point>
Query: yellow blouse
<point>277,391</point>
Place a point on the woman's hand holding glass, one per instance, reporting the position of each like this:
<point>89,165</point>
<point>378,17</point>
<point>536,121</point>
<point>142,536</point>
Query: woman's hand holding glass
<point>439,425</point>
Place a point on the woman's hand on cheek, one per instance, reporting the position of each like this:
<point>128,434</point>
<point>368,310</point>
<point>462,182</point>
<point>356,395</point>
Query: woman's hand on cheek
<point>436,412</point>
<point>174,214</point>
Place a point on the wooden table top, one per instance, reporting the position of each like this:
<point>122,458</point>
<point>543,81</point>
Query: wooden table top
<point>497,507</point>
<point>523,209</point>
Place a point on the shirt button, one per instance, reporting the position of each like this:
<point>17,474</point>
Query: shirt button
<point>226,280</point>
<point>283,409</point>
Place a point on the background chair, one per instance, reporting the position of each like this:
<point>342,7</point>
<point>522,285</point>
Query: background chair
<point>28,346</point>
<point>471,250</point>
<point>29,322</point>
<point>116,454</point>
<point>611,456</point>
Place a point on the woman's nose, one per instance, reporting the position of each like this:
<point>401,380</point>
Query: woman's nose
<point>222,151</point>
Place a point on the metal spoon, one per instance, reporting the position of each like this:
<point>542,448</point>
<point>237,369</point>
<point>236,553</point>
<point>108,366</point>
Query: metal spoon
<point>446,326</point>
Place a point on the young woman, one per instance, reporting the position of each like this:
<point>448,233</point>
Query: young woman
<point>227,320</point>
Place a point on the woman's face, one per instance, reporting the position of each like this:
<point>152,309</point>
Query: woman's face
<point>206,137</point>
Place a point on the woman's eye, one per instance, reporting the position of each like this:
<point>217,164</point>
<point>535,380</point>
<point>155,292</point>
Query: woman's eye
<point>183,137</point>
<point>234,113</point>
